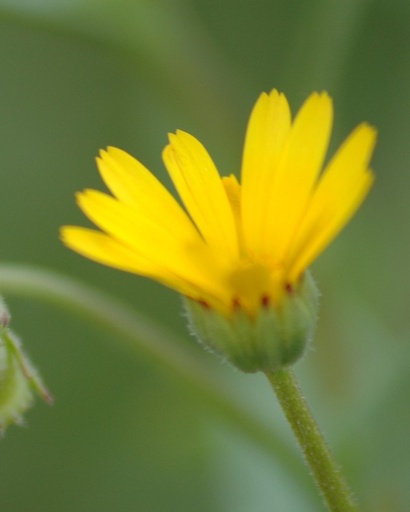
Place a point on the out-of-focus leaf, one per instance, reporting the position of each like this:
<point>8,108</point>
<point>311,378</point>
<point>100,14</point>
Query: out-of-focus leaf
<point>170,47</point>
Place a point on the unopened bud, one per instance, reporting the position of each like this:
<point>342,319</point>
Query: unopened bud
<point>15,393</point>
<point>18,378</point>
<point>276,337</point>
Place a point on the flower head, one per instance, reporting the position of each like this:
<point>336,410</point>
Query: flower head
<point>236,245</point>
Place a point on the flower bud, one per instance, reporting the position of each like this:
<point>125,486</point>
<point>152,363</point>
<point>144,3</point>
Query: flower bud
<point>18,378</point>
<point>275,338</point>
<point>15,393</point>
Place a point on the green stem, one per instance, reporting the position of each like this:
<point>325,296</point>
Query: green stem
<point>325,471</point>
<point>137,333</point>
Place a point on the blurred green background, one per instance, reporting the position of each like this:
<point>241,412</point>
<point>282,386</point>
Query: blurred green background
<point>76,76</point>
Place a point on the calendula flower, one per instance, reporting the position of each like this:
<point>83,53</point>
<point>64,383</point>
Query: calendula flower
<point>233,248</point>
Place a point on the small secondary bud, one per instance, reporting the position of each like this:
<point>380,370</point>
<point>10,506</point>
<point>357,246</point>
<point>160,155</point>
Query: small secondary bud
<point>15,393</point>
<point>18,378</point>
<point>275,338</point>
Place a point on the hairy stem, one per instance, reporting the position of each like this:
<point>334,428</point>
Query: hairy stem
<point>325,471</point>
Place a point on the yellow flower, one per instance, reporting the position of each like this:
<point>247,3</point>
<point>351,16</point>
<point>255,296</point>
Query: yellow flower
<point>236,246</point>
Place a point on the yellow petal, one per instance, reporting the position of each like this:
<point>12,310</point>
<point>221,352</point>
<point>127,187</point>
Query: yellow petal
<point>109,251</point>
<point>343,187</point>
<point>136,229</point>
<point>134,185</point>
<point>292,183</point>
<point>104,249</point>
<point>189,260</point>
<point>267,132</point>
<point>201,190</point>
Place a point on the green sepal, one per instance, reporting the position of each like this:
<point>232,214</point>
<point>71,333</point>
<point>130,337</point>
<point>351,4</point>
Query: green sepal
<point>275,338</point>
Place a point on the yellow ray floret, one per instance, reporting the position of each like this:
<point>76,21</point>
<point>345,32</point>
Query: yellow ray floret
<point>231,245</point>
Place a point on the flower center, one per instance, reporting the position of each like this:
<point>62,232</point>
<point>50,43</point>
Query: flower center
<point>253,283</point>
